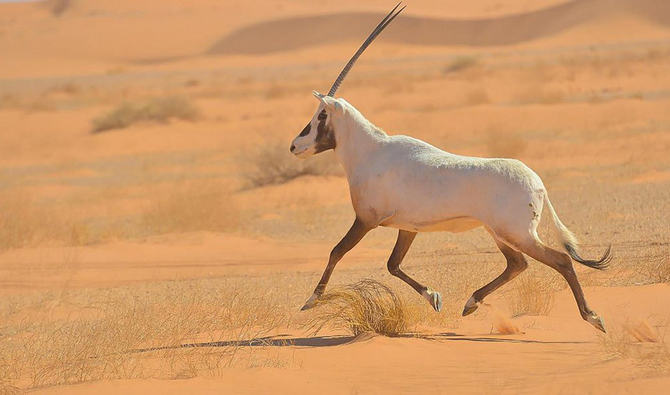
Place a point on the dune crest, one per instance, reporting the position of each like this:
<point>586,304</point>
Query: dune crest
<point>290,34</point>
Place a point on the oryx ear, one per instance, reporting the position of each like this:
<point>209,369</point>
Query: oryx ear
<point>329,102</point>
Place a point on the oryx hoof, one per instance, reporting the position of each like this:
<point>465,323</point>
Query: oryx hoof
<point>596,321</point>
<point>434,298</point>
<point>311,302</point>
<point>470,306</point>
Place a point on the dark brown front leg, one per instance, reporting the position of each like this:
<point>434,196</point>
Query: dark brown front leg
<point>354,235</point>
<point>405,239</point>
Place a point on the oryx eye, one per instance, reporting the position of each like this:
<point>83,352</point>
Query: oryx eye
<point>322,116</point>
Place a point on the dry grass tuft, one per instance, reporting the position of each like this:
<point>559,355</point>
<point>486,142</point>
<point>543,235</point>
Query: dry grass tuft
<point>158,109</point>
<point>272,164</point>
<point>58,7</point>
<point>476,97</point>
<point>461,63</point>
<point>20,222</point>
<point>24,223</point>
<point>540,95</point>
<point>655,269</point>
<point>192,207</point>
<point>639,341</point>
<point>367,306</point>
<point>532,295</point>
<point>172,330</point>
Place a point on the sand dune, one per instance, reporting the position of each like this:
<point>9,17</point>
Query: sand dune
<point>151,259</point>
<point>290,34</point>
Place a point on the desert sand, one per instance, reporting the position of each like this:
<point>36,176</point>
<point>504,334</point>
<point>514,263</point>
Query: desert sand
<point>172,254</point>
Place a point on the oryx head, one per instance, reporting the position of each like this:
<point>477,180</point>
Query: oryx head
<point>319,135</point>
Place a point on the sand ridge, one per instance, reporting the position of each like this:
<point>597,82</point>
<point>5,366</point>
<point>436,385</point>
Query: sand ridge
<point>206,235</point>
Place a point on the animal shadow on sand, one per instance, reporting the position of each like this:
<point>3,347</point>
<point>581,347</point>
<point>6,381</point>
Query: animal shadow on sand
<point>331,341</point>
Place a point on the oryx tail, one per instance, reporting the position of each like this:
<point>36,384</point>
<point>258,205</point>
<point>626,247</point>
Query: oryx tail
<point>571,245</point>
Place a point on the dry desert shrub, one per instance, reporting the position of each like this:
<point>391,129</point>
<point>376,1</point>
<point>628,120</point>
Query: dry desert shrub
<point>58,7</point>
<point>540,95</point>
<point>191,207</point>
<point>639,341</point>
<point>25,223</point>
<point>157,109</point>
<point>20,222</point>
<point>532,294</point>
<point>656,269</point>
<point>476,97</point>
<point>172,330</point>
<point>461,63</point>
<point>367,306</point>
<point>272,163</point>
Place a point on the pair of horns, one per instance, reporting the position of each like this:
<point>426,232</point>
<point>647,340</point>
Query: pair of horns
<point>382,25</point>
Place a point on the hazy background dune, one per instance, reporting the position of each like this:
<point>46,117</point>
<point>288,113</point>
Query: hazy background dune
<point>289,34</point>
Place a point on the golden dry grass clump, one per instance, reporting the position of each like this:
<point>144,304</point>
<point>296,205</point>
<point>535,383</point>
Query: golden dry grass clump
<point>367,306</point>
<point>191,207</point>
<point>655,269</point>
<point>171,330</point>
<point>647,345</point>
<point>272,163</point>
<point>157,109</point>
<point>532,295</point>
<point>24,223</point>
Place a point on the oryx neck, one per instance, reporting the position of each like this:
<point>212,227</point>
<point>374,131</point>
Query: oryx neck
<point>357,140</point>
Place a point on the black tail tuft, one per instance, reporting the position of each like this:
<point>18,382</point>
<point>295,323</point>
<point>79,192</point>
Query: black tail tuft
<point>599,264</point>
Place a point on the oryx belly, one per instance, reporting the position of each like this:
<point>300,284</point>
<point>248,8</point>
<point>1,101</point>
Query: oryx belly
<point>453,225</point>
<point>431,190</point>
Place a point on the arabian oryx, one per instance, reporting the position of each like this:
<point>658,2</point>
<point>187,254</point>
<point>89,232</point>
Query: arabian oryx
<point>405,183</point>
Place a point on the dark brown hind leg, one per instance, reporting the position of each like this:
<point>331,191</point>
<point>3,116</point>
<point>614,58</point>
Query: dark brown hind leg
<point>561,262</point>
<point>516,263</point>
<point>405,239</point>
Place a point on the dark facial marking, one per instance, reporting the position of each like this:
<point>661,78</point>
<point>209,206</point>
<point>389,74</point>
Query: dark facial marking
<point>325,137</point>
<point>306,130</point>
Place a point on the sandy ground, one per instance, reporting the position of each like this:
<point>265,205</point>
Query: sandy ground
<point>580,91</point>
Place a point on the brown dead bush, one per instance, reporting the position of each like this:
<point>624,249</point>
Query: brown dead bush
<point>461,63</point>
<point>157,109</point>
<point>272,164</point>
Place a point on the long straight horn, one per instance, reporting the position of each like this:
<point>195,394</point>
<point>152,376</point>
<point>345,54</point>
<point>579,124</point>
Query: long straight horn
<point>382,25</point>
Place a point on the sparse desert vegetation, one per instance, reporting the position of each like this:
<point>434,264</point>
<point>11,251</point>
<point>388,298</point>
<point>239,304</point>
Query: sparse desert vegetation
<point>461,63</point>
<point>174,256</point>
<point>123,333</point>
<point>655,269</point>
<point>157,109</point>
<point>639,341</point>
<point>532,295</point>
<point>58,7</point>
<point>367,306</point>
<point>192,207</point>
<point>271,163</point>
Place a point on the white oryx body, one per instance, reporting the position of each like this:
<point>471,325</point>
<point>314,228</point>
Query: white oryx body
<point>408,184</point>
<point>405,183</point>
